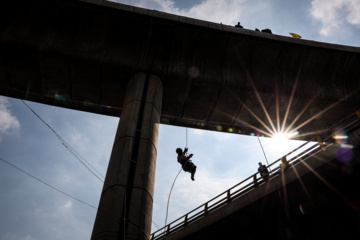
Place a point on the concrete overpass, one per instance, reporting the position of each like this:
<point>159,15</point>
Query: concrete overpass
<point>81,55</point>
<point>315,198</point>
<point>152,67</point>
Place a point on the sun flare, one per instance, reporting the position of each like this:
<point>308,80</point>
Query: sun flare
<point>280,137</point>
<point>280,143</point>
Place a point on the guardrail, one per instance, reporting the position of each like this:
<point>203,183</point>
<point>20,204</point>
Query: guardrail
<point>324,139</point>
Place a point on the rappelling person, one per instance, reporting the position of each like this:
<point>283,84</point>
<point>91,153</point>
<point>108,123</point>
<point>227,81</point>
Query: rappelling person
<point>186,163</point>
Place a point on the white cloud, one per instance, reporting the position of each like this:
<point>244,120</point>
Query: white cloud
<point>333,14</point>
<point>66,206</point>
<point>16,236</point>
<point>7,120</point>
<point>197,132</point>
<point>160,5</point>
<point>208,10</point>
<point>78,140</point>
<point>28,237</point>
<point>58,219</point>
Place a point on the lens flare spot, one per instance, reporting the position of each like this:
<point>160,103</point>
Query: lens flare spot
<point>301,209</point>
<point>344,155</point>
<point>230,130</point>
<point>61,98</point>
<point>348,146</point>
<point>219,128</point>
<point>341,138</point>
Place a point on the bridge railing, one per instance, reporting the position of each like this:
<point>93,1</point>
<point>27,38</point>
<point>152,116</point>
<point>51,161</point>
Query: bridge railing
<point>302,153</point>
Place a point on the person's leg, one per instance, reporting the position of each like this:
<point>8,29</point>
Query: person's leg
<point>193,172</point>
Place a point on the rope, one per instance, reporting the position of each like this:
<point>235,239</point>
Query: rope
<point>167,208</point>
<point>264,153</point>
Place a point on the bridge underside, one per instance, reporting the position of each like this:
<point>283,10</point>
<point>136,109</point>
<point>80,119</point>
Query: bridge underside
<point>81,55</point>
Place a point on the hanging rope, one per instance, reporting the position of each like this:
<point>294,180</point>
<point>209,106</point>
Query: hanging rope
<point>186,138</point>
<point>263,152</point>
<point>167,208</point>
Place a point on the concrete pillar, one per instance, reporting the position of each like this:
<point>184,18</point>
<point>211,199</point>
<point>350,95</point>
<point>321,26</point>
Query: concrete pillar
<point>125,208</point>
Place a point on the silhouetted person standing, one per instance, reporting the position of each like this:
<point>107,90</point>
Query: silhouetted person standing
<point>264,173</point>
<point>238,25</point>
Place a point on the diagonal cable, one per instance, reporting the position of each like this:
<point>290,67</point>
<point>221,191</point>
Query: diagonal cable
<point>46,183</point>
<point>67,146</point>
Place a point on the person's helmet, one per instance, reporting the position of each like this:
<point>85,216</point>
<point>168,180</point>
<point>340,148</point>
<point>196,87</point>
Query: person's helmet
<point>178,150</point>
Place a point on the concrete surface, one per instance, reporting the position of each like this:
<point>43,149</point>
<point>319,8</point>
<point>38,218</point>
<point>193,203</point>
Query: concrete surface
<point>81,55</point>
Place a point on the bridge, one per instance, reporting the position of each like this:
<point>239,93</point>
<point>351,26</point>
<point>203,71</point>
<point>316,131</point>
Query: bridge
<point>309,196</point>
<point>150,67</point>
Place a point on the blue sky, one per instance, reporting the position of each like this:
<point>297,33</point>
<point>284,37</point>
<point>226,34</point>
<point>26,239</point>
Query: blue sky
<point>32,210</point>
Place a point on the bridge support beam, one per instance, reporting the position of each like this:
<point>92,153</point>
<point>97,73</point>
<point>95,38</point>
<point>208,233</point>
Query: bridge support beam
<point>125,208</point>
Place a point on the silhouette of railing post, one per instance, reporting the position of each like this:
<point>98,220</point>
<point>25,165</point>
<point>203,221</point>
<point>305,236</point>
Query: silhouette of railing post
<point>255,181</point>
<point>168,229</point>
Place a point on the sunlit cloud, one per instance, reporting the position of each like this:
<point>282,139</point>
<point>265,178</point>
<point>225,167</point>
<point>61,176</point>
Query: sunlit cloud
<point>67,205</point>
<point>333,14</point>
<point>197,132</point>
<point>207,10</point>
<point>79,140</point>
<point>7,119</point>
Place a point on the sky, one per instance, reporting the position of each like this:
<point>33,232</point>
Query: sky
<point>48,193</point>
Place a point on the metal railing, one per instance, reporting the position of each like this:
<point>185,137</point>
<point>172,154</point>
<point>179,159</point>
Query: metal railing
<point>252,182</point>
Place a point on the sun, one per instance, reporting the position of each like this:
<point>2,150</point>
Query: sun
<point>280,144</point>
<point>280,137</point>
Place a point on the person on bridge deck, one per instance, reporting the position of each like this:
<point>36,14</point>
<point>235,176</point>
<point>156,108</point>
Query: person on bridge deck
<point>266,30</point>
<point>238,25</point>
<point>285,163</point>
<point>186,163</point>
<point>264,173</point>
<point>281,168</point>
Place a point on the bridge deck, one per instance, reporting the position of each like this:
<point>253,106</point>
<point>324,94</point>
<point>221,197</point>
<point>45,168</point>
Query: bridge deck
<point>81,55</point>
